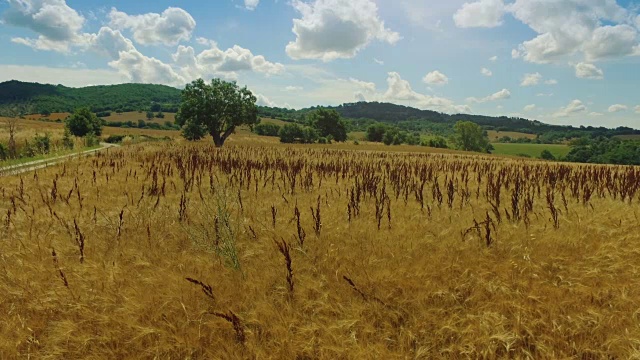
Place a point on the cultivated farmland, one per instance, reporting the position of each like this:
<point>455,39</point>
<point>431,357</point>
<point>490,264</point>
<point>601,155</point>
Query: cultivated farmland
<point>168,250</point>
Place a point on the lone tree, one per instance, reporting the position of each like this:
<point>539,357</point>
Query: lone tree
<point>217,108</point>
<point>83,122</point>
<point>328,122</point>
<point>470,137</point>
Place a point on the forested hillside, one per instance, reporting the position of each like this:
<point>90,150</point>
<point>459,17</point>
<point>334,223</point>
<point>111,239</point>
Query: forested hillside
<point>41,98</point>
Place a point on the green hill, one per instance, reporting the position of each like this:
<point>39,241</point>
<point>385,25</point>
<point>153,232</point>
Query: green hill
<point>38,98</point>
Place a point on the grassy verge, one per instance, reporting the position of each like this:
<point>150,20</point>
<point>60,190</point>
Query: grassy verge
<point>20,161</point>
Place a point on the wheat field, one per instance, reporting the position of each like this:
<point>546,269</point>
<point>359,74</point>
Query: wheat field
<point>262,251</point>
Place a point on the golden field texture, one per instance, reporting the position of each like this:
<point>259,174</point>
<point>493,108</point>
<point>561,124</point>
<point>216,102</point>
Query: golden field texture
<point>175,251</point>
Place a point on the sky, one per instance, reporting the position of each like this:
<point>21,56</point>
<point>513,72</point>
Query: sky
<point>573,62</point>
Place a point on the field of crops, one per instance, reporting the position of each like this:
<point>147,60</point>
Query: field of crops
<point>169,250</point>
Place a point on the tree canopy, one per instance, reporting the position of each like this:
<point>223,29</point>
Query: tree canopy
<point>83,122</point>
<point>218,107</point>
<point>328,123</point>
<point>469,136</point>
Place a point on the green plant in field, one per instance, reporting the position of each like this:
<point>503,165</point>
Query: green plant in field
<point>213,228</point>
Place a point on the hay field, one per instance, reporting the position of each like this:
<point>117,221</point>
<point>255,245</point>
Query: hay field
<point>266,251</point>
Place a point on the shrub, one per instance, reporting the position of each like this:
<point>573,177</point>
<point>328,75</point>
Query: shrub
<point>91,140</point>
<point>4,152</point>
<point>67,140</point>
<point>547,155</point>
<point>267,129</point>
<point>42,144</point>
<point>84,122</point>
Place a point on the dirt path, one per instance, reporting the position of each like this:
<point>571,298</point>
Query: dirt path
<point>39,164</point>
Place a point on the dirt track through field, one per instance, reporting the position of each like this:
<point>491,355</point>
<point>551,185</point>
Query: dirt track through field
<point>40,164</point>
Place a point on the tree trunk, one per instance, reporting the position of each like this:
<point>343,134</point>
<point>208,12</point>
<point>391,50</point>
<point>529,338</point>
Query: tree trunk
<point>219,139</point>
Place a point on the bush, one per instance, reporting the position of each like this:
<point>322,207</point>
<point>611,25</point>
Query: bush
<point>103,114</point>
<point>67,140</point>
<point>160,115</point>
<point>91,140</point>
<point>356,142</point>
<point>4,152</point>
<point>267,129</point>
<point>291,133</point>
<point>547,155</point>
<point>42,144</point>
<point>523,155</point>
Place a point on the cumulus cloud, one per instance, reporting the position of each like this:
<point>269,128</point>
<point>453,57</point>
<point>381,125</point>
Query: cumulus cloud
<point>333,29</point>
<point>500,95</point>
<point>598,29</point>
<point>588,71</point>
<point>169,28</point>
<point>618,108</point>
<point>566,27</point>
<point>483,13</point>
<point>435,78</point>
<point>251,4</point>
<point>379,62</point>
<point>399,90</point>
<point>58,26</point>
<point>486,72</point>
<point>531,79</point>
<point>551,82</point>
<point>493,58</point>
<point>574,107</point>
<point>529,108</point>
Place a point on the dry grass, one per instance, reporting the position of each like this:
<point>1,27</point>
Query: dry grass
<point>495,135</point>
<point>186,251</point>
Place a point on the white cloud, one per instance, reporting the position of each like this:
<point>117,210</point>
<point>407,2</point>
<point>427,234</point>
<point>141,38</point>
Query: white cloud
<point>169,28</point>
<point>379,62</point>
<point>486,72</point>
<point>64,76</point>
<point>294,88</point>
<point>251,4</point>
<point>399,90</point>
<point>436,78</point>
<point>58,26</point>
<point>618,108</point>
<point>264,101</point>
<point>595,114</point>
<point>500,95</point>
<point>493,58</point>
<point>575,107</point>
<point>531,79</point>
<point>588,71</point>
<point>551,82</point>
<point>529,108</point>
<point>483,13</point>
<point>333,29</point>
<point>568,27</point>
<point>544,95</point>
<point>143,69</point>
<point>637,108</point>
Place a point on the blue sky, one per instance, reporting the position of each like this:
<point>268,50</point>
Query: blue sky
<point>559,61</point>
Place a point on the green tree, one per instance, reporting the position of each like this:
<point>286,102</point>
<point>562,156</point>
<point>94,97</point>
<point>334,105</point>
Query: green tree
<point>375,133</point>
<point>193,131</point>
<point>291,133</point>
<point>150,115</point>
<point>84,122</point>
<point>218,107</point>
<point>328,122</point>
<point>468,136</point>
<point>547,155</point>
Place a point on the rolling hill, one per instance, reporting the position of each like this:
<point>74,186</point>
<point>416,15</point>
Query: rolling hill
<point>36,98</point>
